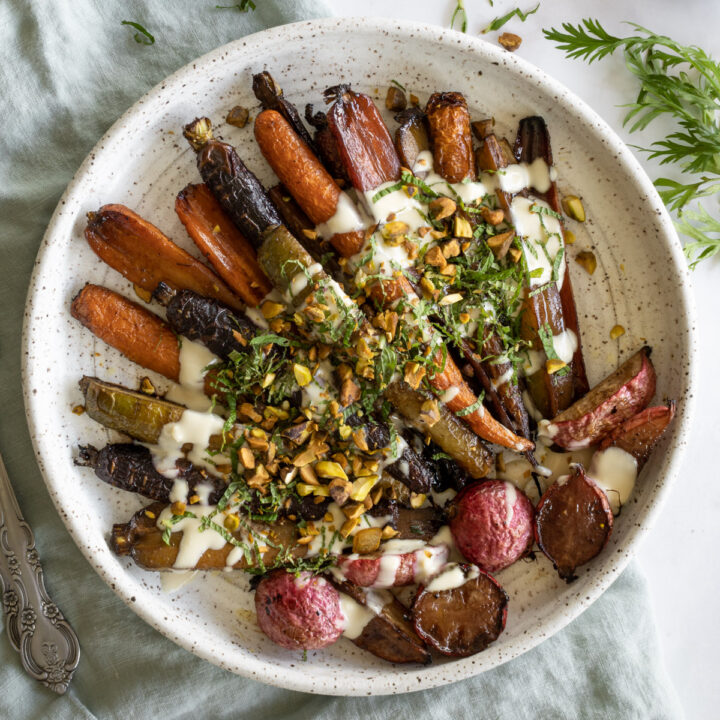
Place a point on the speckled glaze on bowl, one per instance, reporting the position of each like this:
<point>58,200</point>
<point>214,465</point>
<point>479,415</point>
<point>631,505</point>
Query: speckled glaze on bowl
<point>641,282</point>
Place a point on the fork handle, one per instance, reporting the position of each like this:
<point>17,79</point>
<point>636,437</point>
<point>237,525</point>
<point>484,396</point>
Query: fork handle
<point>48,646</point>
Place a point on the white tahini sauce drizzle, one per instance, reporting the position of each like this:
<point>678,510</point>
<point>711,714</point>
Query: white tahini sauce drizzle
<point>519,176</point>
<point>347,218</point>
<point>534,361</point>
<point>194,358</point>
<point>468,191</point>
<point>450,394</point>
<point>506,377</point>
<point>565,344</point>
<point>179,491</point>
<point>452,576</point>
<point>192,427</point>
<point>389,564</point>
<point>357,616</point>
<point>540,244</point>
<point>615,471</point>
<point>170,581</point>
<point>510,499</point>
<point>194,544</point>
<point>397,203</point>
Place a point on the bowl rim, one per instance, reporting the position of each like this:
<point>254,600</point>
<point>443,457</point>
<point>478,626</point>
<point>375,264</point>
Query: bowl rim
<point>125,586</point>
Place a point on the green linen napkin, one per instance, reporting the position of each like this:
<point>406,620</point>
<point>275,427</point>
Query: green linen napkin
<point>68,70</point>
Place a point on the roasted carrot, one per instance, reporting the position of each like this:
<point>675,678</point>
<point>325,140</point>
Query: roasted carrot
<point>298,223</point>
<point>326,145</point>
<point>304,176</point>
<point>235,187</point>
<point>137,333</point>
<point>145,256</point>
<point>411,136</point>
<point>370,159</point>
<point>271,98</point>
<point>143,541</point>
<point>454,160</point>
<point>532,142</point>
<point>222,243</point>
<point>551,392</point>
<point>449,122</point>
<point>479,420</point>
<point>365,145</point>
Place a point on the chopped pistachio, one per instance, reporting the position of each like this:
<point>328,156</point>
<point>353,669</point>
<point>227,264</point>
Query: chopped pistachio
<point>328,469</point>
<point>389,532</point>
<point>231,522</point>
<point>302,374</point>
<point>510,41</point>
<point>367,540</point>
<point>573,207</point>
<point>442,207</point>
<point>417,500</point>
<point>491,217</point>
<point>587,260</point>
<point>362,487</point>
<point>348,526</point>
<point>247,458</point>
<point>462,227</point>
<point>450,299</point>
<point>553,365</point>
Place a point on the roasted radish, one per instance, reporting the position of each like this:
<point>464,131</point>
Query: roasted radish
<point>460,611</point>
<point>300,612</point>
<point>616,399</point>
<point>573,522</point>
<point>492,524</point>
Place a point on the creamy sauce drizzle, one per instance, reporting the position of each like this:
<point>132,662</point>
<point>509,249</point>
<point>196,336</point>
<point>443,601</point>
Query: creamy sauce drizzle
<point>346,219</point>
<point>615,471</point>
<point>542,240</point>
<point>194,358</point>
<point>193,427</point>
<point>452,576</point>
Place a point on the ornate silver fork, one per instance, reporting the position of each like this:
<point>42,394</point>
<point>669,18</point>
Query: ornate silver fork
<point>48,646</point>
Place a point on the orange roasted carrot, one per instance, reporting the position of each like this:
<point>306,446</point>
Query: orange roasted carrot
<point>222,243</point>
<point>304,176</point>
<point>145,256</point>
<point>479,420</point>
<point>137,333</point>
<point>449,122</point>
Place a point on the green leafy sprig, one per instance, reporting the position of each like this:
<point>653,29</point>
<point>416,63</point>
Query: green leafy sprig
<point>498,22</point>
<point>142,36</point>
<point>461,14</point>
<point>679,81</point>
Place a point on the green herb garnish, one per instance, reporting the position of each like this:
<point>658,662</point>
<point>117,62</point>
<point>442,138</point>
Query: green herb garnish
<point>498,22</point>
<point>242,6</point>
<point>142,35</point>
<point>679,81</point>
<point>170,522</point>
<point>460,13</point>
<point>546,338</point>
<point>470,409</point>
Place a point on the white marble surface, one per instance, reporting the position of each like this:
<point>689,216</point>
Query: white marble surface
<point>679,555</point>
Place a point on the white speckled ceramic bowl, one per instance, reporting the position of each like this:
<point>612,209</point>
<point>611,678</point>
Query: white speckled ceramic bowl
<point>641,282</point>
